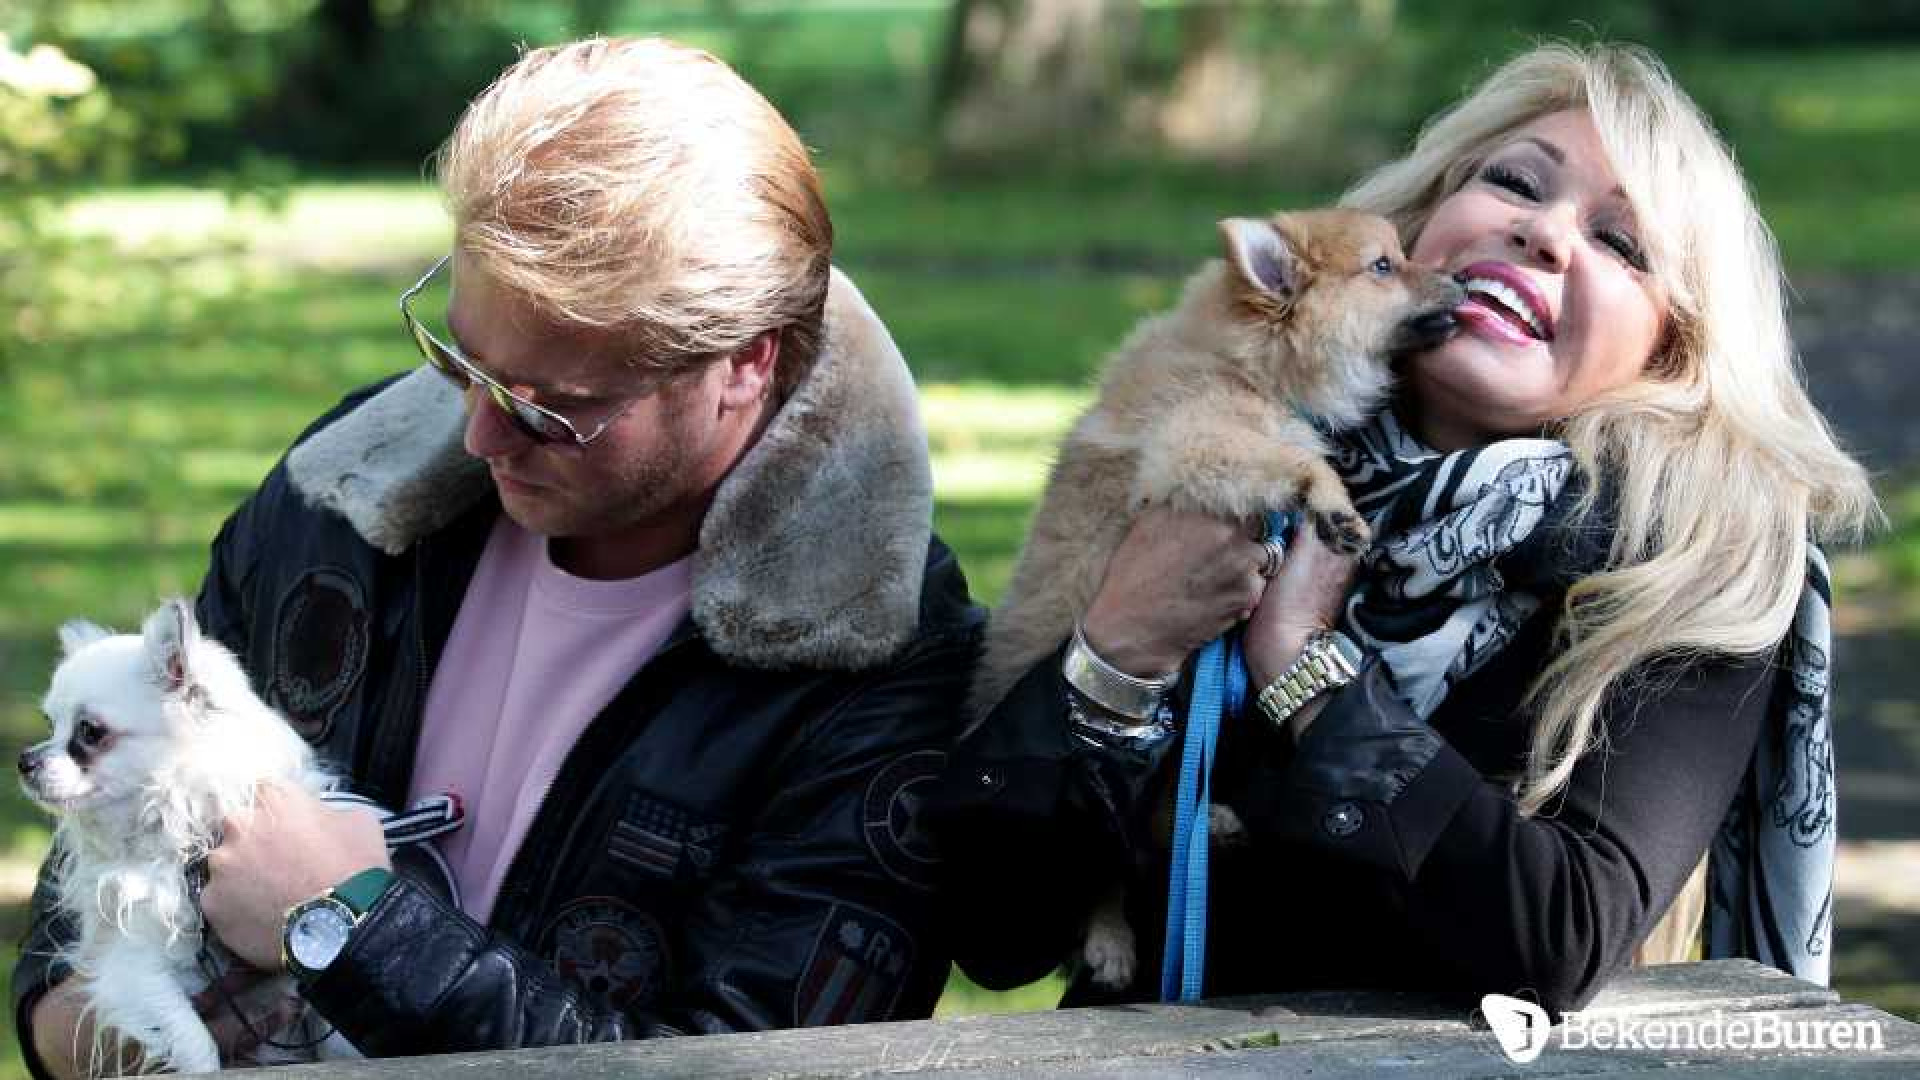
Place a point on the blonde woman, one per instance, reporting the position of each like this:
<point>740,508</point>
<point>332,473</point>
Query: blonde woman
<point>1588,648</point>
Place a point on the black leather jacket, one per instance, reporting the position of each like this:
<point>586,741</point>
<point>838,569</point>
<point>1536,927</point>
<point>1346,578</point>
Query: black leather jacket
<point>731,844</point>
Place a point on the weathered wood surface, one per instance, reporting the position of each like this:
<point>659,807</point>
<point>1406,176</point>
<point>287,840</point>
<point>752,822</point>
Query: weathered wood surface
<point>1325,1035</point>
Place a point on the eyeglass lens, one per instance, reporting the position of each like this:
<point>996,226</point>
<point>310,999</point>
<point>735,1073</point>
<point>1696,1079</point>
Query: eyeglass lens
<point>532,422</point>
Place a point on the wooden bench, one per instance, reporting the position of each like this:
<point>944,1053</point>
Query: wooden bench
<point>1321,1035</point>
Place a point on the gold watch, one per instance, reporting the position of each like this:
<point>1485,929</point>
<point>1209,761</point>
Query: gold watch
<point>1330,660</point>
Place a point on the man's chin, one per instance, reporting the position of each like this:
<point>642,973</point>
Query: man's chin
<point>532,512</point>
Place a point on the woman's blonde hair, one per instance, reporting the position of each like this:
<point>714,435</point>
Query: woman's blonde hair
<point>642,186</point>
<point>1722,468</point>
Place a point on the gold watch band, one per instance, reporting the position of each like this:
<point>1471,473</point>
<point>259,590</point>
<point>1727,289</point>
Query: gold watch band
<point>1328,661</point>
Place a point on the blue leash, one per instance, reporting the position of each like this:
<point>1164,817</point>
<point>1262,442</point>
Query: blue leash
<point>1219,691</point>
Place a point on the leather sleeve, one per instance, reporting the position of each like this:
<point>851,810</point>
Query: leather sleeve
<point>1550,905</point>
<point>816,920</point>
<point>39,967</point>
<point>1033,823</point>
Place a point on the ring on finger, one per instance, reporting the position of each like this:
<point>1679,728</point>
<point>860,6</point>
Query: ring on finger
<point>1270,565</point>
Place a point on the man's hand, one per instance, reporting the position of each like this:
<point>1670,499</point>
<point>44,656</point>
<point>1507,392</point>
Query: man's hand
<point>63,1036</point>
<point>246,1008</point>
<point>240,1010</point>
<point>291,848</point>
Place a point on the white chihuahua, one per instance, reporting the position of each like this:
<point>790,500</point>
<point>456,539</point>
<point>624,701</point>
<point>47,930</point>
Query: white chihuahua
<point>157,739</point>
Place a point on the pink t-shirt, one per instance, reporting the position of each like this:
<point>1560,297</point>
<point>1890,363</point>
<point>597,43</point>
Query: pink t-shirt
<point>534,655</point>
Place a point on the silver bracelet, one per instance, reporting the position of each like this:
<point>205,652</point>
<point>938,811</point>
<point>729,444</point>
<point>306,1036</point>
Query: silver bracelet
<point>1095,727</point>
<point>1109,687</point>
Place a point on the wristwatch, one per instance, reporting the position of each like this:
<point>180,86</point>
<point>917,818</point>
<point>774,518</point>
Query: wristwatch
<point>316,930</point>
<point>1329,660</point>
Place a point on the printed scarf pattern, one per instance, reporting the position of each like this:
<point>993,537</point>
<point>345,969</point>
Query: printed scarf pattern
<point>1466,545</point>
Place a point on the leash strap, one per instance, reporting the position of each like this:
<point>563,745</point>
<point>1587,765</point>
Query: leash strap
<point>433,815</point>
<point>1219,691</point>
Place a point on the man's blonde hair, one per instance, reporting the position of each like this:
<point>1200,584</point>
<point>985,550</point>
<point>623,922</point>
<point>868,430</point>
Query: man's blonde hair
<point>641,186</point>
<point>1723,469</point>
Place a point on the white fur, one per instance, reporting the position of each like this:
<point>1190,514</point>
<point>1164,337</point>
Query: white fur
<point>189,746</point>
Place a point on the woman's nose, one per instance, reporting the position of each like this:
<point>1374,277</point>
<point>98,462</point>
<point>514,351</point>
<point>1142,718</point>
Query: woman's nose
<point>1545,236</point>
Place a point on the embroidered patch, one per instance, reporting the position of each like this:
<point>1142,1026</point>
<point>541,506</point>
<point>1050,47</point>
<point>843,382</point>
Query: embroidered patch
<point>855,971</point>
<point>890,817</point>
<point>608,947</point>
<point>659,838</point>
<point>319,649</point>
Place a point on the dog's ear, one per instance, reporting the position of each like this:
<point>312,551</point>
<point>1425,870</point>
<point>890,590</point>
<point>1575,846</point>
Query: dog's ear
<point>170,634</point>
<point>1264,261</point>
<point>77,634</point>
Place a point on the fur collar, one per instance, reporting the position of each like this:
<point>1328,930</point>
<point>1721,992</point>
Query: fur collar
<point>813,551</point>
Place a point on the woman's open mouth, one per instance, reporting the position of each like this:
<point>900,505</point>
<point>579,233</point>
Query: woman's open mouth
<point>1504,304</point>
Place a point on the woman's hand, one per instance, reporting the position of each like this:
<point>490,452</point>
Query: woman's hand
<point>1177,581</point>
<point>1303,597</point>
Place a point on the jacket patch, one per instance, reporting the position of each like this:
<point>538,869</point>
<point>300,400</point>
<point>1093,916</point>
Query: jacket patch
<point>856,969</point>
<point>319,649</point>
<point>609,948</point>
<point>657,837</point>
<point>890,817</point>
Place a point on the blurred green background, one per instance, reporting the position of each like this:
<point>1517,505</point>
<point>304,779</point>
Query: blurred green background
<point>208,207</point>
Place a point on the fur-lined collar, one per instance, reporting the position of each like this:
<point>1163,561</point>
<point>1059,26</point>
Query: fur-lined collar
<point>812,553</point>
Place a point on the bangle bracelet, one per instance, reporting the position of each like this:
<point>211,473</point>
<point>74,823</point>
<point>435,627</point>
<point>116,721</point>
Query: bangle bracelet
<point>1095,727</point>
<point>1109,687</point>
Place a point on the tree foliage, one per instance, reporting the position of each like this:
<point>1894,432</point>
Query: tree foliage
<point>56,123</point>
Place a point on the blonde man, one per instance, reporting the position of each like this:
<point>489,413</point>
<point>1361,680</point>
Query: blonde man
<point>637,565</point>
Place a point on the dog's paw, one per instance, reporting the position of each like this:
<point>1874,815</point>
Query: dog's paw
<point>1344,531</point>
<point>190,1051</point>
<point>1109,958</point>
<point>1224,827</point>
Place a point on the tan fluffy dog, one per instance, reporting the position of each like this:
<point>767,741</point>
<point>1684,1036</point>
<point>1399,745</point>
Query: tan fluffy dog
<point>1206,408</point>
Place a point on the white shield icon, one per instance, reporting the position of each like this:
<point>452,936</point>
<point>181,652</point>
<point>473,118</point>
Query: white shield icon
<point>1521,1026</point>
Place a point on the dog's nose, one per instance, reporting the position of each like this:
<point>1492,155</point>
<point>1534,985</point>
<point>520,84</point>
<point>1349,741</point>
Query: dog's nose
<point>1426,330</point>
<point>29,762</point>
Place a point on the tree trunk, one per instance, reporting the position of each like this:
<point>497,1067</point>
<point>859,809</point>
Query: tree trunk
<point>353,26</point>
<point>1032,72</point>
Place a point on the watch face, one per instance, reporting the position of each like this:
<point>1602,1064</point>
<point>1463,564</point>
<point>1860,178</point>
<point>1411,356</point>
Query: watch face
<point>316,934</point>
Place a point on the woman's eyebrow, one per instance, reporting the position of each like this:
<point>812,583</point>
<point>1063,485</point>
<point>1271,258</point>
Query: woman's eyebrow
<point>1558,155</point>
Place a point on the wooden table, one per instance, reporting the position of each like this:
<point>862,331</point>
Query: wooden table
<point>1322,1035</point>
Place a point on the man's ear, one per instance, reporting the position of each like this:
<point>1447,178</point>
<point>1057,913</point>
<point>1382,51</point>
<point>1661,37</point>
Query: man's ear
<point>1265,264</point>
<point>748,377</point>
<point>169,635</point>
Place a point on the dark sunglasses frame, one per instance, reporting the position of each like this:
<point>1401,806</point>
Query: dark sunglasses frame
<point>536,422</point>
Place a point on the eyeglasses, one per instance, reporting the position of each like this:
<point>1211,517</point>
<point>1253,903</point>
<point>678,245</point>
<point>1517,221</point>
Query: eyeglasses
<point>542,425</point>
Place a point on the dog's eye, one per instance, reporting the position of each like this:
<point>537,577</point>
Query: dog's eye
<point>1381,267</point>
<point>89,732</point>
